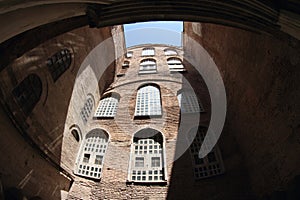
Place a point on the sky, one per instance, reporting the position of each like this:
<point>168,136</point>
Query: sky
<point>159,32</point>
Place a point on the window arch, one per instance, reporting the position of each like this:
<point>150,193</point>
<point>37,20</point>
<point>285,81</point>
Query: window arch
<point>170,52</point>
<point>91,154</point>
<point>188,102</point>
<point>148,66</point>
<point>147,159</point>
<point>28,93</point>
<point>175,65</point>
<point>59,63</point>
<point>125,64</point>
<point>87,109</point>
<point>107,106</point>
<point>209,166</point>
<point>148,51</point>
<point>76,132</point>
<point>148,102</point>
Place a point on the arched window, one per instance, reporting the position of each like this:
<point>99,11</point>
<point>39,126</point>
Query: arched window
<point>148,52</point>
<point>91,154</point>
<point>87,109</point>
<point>125,64</point>
<point>175,65</point>
<point>148,102</point>
<point>170,52</point>
<point>28,93</point>
<point>188,102</point>
<point>59,63</point>
<point>212,164</point>
<point>76,132</point>
<point>148,66</point>
<point>107,107</point>
<point>147,157</point>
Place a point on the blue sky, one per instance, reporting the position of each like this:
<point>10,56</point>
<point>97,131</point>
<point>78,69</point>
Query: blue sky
<point>160,32</point>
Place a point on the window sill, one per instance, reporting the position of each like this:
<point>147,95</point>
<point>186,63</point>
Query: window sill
<point>161,183</point>
<point>103,117</point>
<point>147,116</point>
<point>147,72</point>
<point>178,71</point>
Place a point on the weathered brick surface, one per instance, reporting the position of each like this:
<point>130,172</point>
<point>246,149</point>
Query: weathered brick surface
<point>261,76</point>
<point>46,124</point>
<point>121,129</point>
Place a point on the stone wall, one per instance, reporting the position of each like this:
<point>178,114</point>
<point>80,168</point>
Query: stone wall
<point>43,128</point>
<point>261,77</point>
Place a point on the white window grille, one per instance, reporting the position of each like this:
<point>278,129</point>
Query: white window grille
<point>91,154</point>
<point>147,66</point>
<point>129,54</point>
<point>188,102</point>
<point>170,52</point>
<point>148,102</point>
<point>147,159</point>
<point>175,65</point>
<point>107,107</point>
<point>209,166</point>
<point>148,52</point>
<point>87,109</point>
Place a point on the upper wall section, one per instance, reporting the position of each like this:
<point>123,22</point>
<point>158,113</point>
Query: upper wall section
<point>261,77</point>
<point>267,16</point>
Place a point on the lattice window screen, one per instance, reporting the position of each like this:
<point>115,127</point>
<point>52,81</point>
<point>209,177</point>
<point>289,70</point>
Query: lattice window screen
<point>92,152</point>
<point>107,107</point>
<point>188,102</point>
<point>209,166</point>
<point>148,102</point>
<point>147,162</point>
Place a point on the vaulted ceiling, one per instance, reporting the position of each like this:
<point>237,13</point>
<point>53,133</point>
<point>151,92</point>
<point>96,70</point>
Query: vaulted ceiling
<point>18,16</point>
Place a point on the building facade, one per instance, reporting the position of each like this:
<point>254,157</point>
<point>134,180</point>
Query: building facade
<point>145,132</point>
<point>81,120</point>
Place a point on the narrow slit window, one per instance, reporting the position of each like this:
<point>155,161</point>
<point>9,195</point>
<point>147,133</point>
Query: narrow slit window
<point>87,109</point>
